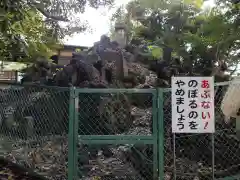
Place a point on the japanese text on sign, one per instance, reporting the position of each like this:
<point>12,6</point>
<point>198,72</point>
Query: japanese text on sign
<point>193,105</point>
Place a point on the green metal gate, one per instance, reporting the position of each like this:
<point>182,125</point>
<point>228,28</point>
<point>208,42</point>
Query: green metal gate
<point>78,95</point>
<point>175,156</point>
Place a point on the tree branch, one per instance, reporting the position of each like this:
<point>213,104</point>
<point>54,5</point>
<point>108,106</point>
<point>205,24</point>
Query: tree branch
<point>40,8</point>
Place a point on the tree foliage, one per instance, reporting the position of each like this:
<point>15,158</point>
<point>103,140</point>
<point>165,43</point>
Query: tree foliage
<point>200,38</point>
<point>25,39</point>
<point>32,28</point>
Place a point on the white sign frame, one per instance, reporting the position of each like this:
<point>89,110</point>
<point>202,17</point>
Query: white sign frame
<point>201,111</point>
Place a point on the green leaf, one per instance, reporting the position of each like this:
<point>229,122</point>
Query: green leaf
<point>78,50</point>
<point>157,52</point>
<point>196,3</point>
<point>187,1</point>
<point>174,54</point>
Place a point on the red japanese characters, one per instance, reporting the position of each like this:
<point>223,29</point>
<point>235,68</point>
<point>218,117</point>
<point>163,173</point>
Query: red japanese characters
<point>193,105</point>
<point>206,102</point>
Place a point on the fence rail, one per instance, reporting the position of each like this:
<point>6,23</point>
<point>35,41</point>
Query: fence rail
<point>104,120</point>
<point>86,134</point>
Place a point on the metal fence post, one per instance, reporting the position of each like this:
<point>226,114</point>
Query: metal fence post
<point>155,135</point>
<point>72,139</point>
<point>160,114</point>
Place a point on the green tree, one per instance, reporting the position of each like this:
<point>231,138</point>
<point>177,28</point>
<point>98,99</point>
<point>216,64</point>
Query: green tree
<point>34,27</point>
<point>55,12</point>
<point>25,39</point>
<point>200,38</point>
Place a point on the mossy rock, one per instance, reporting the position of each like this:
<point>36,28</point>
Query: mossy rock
<point>115,112</point>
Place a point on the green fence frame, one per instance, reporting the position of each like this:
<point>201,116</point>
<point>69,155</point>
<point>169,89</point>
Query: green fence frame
<point>161,92</point>
<point>74,138</point>
<point>156,139</point>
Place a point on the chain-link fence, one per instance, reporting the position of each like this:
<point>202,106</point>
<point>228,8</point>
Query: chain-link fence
<point>33,132</point>
<point>201,156</point>
<point>114,134</point>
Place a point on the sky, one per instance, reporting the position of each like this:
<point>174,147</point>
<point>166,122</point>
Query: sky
<point>99,21</point>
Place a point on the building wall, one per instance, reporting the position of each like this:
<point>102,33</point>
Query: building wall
<point>64,57</point>
<point>8,76</point>
<point>65,54</point>
<point>63,60</point>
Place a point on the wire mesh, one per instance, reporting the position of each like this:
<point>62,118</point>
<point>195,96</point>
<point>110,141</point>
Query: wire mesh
<point>121,161</point>
<point>116,138</point>
<point>34,128</point>
<point>201,156</point>
<point>115,113</point>
<point>117,135</point>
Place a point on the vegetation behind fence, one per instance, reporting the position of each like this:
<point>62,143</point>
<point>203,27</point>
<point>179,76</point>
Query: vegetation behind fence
<point>76,133</point>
